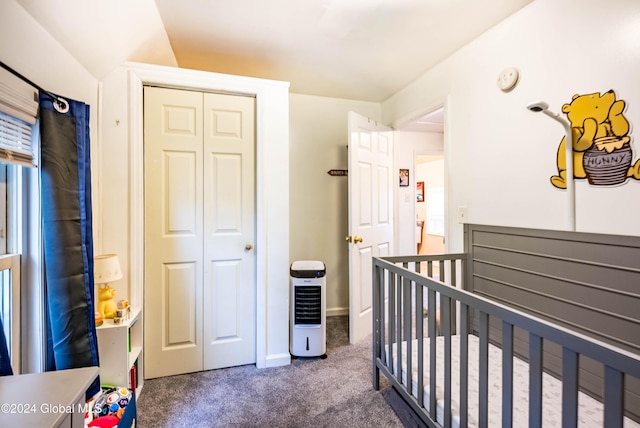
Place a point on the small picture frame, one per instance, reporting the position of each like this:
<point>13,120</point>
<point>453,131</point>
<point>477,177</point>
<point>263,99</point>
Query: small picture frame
<point>420,191</point>
<point>404,177</point>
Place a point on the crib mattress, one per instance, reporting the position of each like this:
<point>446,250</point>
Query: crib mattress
<point>590,412</point>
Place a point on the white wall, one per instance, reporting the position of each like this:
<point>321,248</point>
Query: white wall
<point>318,210</point>
<point>102,35</point>
<point>408,144</point>
<point>113,183</point>
<point>500,156</point>
<point>29,49</point>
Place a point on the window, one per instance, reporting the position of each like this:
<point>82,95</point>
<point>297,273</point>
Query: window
<point>9,271</point>
<point>19,219</point>
<point>21,297</point>
<point>16,140</point>
<point>18,111</point>
<point>10,306</point>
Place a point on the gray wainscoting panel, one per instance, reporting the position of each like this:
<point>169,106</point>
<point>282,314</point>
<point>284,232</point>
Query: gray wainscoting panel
<point>587,282</point>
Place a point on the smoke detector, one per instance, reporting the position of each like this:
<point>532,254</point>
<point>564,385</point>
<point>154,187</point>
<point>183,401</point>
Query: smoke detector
<point>508,79</point>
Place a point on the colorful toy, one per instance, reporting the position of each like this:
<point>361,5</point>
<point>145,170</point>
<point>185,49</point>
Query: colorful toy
<point>111,402</point>
<point>98,318</point>
<point>105,422</point>
<point>124,309</point>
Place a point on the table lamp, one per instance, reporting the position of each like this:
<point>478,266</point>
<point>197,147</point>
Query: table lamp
<point>106,269</point>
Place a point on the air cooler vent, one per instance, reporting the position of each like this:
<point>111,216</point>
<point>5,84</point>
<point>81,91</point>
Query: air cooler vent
<point>308,305</point>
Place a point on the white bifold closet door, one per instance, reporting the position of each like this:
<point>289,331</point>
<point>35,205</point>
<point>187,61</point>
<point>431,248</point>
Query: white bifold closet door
<point>199,291</point>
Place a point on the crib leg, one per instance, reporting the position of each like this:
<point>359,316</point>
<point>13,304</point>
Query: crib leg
<point>376,377</point>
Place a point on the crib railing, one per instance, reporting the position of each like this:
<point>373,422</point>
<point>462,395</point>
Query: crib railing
<point>400,287</point>
<point>399,311</point>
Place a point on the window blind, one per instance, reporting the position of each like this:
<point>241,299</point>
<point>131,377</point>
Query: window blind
<point>18,111</point>
<point>15,141</point>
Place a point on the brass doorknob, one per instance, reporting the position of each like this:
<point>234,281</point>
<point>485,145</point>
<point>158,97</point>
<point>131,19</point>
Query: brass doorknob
<point>348,239</point>
<point>248,247</point>
<point>357,239</point>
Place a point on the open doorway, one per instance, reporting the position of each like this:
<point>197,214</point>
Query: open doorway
<point>430,204</point>
<point>420,207</point>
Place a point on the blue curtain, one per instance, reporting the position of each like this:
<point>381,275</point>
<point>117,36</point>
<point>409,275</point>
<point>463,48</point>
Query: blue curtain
<point>65,176</point>
<point>5,361</point>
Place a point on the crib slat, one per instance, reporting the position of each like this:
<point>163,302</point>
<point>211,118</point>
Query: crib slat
<point>420,337</point>
<point>378,284</point>
<point>454,283</point>
<point>383,320</point>
<point>445,321</point>
<point>483,399</point>
<point>399,331</point>
<point>431,325</point>
<point>453,275</point>
<point>507,374</point>
<point>392,317</point>
<point>569,388</point>
<point>613,397</point>
<point>441,277</point>
<point>535,380</point>
<point>464,365</point>
<point>406,297</point>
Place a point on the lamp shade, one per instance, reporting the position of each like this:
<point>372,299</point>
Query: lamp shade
<point>106,268</point>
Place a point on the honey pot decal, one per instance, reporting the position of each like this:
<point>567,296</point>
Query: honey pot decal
<point>601,145</point>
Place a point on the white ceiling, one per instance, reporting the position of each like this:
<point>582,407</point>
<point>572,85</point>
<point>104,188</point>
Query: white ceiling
<point>359,49</point>
<point>356,49</point>
<point>430,122</point>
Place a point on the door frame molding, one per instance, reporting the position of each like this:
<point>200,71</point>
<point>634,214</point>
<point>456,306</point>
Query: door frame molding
<point>272,123</point>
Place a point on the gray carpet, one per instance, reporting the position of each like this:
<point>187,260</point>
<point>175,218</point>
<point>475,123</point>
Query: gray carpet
<point>331,392</point>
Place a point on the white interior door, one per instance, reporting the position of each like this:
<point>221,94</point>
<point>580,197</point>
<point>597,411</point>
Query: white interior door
<point>199,231</point>
<point>229,231</point>
<point>370,214</point>
<point>173,231</point>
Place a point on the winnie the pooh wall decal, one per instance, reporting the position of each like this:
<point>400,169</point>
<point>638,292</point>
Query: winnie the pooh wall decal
<point>601,145</point>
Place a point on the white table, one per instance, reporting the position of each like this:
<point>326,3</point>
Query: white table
<point>41,400</point>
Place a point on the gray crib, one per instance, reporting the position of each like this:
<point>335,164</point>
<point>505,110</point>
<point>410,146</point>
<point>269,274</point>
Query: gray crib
<point>525,328</point>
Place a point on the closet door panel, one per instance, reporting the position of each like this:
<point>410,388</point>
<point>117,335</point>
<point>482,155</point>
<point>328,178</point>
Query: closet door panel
<point>173,231</point>
<point>180,292</point>
<point>226,188</point>
<point>229,230</point>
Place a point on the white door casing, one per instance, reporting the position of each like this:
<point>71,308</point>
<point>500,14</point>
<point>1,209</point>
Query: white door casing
<point>272,191</point>
<point>199,218</point>
<point>370,214</point>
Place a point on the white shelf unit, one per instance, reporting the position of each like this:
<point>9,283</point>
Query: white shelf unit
<point>120,349</point>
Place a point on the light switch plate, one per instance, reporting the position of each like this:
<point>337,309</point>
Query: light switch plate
<point>463,214</point>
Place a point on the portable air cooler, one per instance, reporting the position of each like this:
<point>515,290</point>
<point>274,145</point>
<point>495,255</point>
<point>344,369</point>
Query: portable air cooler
<point>308,327</point>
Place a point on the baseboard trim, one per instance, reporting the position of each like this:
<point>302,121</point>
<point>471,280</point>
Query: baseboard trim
<point>337,312</point>
<point>278,360</point>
